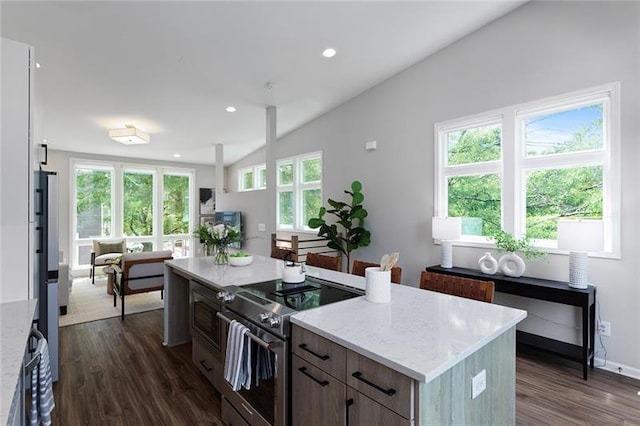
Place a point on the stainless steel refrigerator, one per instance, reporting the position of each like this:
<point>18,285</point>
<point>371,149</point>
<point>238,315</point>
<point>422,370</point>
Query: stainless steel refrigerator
<point>46,261</point>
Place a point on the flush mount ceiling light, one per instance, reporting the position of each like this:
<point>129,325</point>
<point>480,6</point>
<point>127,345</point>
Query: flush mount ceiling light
<point>329,53</point>
<point>129,136</point>
<point>230,109</point>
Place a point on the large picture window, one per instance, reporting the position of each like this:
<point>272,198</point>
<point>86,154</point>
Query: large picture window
<point>299,183</point>
<point>524,167</point>
<point>149,206</point>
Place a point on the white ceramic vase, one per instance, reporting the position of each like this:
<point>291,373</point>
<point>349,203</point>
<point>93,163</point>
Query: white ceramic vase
<point>511,265</point>
<point>488,264</point>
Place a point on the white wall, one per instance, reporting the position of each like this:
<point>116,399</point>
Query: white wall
<point>251,204</point>
<point>16,252</point>
<point>59,161</point>
<point>541,49</point>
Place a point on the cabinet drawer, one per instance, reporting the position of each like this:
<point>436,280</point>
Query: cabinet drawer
<point>382,384</point>
<point>230,416</point>
<point>364,411</point>
<point>317,398</point>
<point>318,351</point>
<point>203,357</point>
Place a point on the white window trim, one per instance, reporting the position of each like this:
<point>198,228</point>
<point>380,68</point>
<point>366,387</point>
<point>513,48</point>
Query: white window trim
<point>297,187</point>
<point>255,178</point>
<point>117,169</point>
<point>241,174</point>
<point>513,170</point>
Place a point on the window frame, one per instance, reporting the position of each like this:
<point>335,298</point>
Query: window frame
<point>514,164</point>
<point>255,179</point>
<point>158,238</point>
<point>297,187</point>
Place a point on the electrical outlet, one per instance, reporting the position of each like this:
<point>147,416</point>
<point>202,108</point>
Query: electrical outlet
<point>478,384</point>
<point>604,328</point>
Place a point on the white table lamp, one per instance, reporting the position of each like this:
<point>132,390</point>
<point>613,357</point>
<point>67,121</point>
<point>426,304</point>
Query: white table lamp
<point>446,229</point>
<point>580,237</point>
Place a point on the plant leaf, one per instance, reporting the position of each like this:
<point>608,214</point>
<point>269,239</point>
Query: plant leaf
<point>356,186</point>
<point>358,198</point>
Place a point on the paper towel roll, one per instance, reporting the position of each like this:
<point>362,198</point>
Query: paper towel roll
<point>377,285</point>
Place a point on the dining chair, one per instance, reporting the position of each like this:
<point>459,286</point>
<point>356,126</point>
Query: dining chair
<point>458,286</point>
<point>359,266</point>
<point>322,261</point>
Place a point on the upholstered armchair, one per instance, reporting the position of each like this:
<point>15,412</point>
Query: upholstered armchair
<point>140,273</point>
<point>104,253</point>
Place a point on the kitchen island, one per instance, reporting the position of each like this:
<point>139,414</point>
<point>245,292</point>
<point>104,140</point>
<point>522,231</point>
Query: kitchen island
<point>443,347</point>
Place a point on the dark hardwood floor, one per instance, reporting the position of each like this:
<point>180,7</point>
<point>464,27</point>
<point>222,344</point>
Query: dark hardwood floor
<point>115,372</point>
<point>118,373</point>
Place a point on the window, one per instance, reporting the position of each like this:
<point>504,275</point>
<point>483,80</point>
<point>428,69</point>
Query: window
<point>152,208</point>
<point>299,182</point>
<point>253,178</point>
<point>93,205</point>
<point>524,167</point>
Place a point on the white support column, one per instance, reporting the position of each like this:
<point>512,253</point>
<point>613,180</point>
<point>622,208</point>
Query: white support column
<point>220,183</point>
<point>271,160</point>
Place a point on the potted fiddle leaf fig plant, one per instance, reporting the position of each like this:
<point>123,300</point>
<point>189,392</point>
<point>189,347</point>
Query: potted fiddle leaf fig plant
<point>350,216</point>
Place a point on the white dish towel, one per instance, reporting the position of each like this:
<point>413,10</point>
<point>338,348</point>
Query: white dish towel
<point>42,402</point>
<point>237,362</point>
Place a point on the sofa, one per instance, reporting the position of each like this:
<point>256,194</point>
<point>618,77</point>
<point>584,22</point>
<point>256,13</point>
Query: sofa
<point>64,287</point>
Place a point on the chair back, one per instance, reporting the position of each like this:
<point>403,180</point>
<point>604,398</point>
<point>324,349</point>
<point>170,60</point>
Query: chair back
<point>322,261</point>
<point>283,254</point>
<point>104,246</point>
<point>359,266</point>
<point>458,286</point>
<point>145,270</point>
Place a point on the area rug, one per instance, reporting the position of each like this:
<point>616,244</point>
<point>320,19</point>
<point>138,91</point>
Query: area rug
<point>89,302</point>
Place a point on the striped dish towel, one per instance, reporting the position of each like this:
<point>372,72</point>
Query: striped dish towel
<point>237,361</point>
<point>42,402</point>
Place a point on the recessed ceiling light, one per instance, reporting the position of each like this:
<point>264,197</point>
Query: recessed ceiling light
<point>230,109</point>
<point>329,53</point>
<point>177,155</point>
<point>37,64</point>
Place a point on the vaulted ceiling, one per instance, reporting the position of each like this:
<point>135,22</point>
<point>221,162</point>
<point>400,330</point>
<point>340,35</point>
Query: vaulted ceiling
<point>170,68</point>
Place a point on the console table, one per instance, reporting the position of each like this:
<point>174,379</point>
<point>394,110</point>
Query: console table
<point>551,291</point>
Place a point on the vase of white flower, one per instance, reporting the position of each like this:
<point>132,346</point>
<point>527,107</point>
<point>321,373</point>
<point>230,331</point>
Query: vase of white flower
<point>216,240</point>
<point>221,255</point>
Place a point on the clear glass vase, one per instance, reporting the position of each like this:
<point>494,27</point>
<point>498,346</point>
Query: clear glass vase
<point>221,254</point>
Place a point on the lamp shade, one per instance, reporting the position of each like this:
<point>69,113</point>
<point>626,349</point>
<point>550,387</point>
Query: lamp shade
<point>446,228</point>
<point>581,235</point>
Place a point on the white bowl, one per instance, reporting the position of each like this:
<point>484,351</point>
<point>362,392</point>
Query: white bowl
<point>240,261</point>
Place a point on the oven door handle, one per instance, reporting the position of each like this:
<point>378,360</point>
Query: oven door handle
<point>267,345</point>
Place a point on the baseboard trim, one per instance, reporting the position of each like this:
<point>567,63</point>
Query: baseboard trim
<point>617,368</point>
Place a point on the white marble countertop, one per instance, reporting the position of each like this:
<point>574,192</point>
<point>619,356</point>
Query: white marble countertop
<point>261,269</point>
<point>420,333</point>
<point>15,325</point>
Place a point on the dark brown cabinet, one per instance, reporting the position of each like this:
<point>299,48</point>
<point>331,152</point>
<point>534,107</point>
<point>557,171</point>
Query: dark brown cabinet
<point>332,385</point>
<point>318,397</point>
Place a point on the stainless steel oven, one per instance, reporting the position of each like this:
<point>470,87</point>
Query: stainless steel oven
<point>265,402</point>
<point>264,308</point>
<point>205,323</point>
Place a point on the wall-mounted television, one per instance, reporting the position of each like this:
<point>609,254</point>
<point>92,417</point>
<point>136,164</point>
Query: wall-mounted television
<point>232,218</point>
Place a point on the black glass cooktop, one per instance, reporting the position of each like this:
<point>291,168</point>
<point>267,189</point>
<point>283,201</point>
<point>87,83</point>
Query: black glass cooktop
<point>302,296</point>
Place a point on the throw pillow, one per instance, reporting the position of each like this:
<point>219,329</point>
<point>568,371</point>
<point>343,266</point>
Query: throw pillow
<point>111,247</point>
